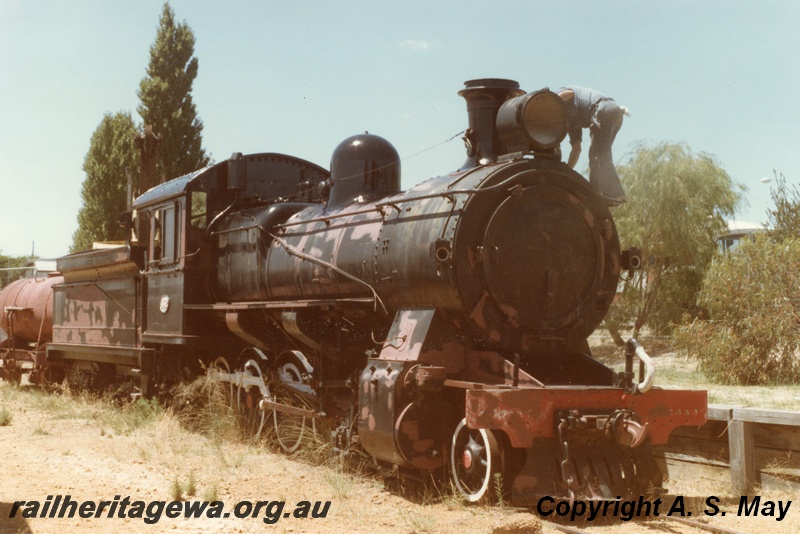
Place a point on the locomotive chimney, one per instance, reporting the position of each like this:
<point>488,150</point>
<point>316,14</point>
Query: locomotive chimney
<point>484,97</point>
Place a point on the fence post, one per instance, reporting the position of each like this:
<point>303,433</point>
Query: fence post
<point>742,458</point>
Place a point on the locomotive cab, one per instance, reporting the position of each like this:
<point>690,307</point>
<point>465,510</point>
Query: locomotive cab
<point>185,233</point>
<point>167,217</point>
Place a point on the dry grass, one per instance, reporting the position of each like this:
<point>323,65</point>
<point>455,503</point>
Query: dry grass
<point>340,480</point>
<point>419,522</point>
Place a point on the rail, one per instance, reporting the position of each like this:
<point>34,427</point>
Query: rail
<point>750,447</point>
<point>656,526</point>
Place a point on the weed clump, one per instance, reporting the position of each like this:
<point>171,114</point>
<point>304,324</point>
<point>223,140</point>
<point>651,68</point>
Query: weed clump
<point>5,416</point>
<point>204,406</point>
<point>191,485</point>
<point>176,490</point>
<point>211,493</point>
<point>128,417</point>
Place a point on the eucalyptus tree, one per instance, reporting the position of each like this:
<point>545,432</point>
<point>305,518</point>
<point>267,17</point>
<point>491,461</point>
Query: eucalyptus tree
<point>677,205</point>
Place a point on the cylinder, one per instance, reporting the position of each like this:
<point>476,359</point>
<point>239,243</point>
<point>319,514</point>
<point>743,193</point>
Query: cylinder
<point>27,309</point>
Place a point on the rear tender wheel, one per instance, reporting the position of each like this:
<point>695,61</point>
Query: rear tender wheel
<point>475,462</point>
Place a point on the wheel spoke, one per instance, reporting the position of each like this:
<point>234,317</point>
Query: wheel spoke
<point>293,389</point>
<point>289,429</point>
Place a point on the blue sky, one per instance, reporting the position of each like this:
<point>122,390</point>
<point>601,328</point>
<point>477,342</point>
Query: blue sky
<point>300,76</point>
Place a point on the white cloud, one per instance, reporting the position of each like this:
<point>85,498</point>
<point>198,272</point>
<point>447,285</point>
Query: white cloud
<point>415,45</point>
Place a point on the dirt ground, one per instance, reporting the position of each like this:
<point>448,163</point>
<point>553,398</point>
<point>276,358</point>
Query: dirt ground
<point>61,445</point>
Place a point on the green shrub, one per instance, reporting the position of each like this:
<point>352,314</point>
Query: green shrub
<point>752,331</point>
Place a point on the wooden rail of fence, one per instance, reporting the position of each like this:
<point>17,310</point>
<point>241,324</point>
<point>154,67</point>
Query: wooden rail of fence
<point>747,447</point>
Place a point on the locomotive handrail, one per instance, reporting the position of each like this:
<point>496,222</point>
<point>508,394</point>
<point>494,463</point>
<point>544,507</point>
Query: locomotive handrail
<point>393,204</point>
<point>649,371</point>
<point>646,367</point>
<point>447,194</point>
<point>279,304</point>
<point>327,218</point>
<point>312,259</point>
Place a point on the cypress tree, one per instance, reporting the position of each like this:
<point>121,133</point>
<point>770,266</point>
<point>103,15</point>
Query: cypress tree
<point>166,99</point>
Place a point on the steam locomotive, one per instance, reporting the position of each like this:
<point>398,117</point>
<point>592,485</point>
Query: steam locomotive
<point>438,330</point>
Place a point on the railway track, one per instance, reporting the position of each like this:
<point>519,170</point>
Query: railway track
<point>702,526</point>
<point>660,524</point>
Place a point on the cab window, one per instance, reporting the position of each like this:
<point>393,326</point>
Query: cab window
<point>155,232</point>
<point>168,235</point>
<point>165,232</point>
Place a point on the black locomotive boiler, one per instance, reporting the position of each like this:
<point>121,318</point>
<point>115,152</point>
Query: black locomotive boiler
<point>438,330</point>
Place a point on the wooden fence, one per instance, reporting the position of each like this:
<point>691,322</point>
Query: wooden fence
<point>746,447</point>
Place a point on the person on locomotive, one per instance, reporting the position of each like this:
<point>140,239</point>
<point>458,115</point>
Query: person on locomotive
<point>587,108</point>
